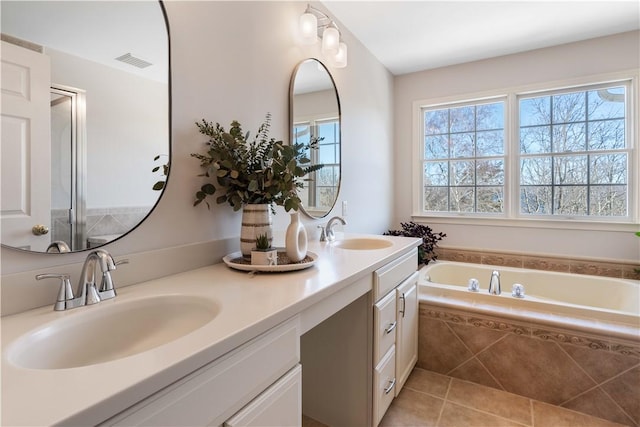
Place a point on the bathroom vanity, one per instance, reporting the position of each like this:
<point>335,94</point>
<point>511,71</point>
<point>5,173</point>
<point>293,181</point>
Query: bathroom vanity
<point>264,338</point>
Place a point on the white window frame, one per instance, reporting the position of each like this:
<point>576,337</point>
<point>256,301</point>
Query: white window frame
<point>313,121</point>
<point>512,216</point>
<point>467,103</point>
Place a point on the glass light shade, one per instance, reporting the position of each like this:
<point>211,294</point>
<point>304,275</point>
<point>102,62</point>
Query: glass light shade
<point>309,28</point>
<point>330,40</point>
<point>340,60</point>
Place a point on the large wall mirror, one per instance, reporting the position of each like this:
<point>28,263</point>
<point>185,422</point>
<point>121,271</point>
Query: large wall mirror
<point>314,109</point>
<point>85,120</point>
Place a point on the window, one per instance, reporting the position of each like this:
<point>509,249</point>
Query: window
<point>573,153</point>
<point>561,154</point>
<point>321,190</point>
<point>464,158</point>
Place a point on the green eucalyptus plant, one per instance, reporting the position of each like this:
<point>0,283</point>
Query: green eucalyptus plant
<point>262,170</point>
<point>159,185</point>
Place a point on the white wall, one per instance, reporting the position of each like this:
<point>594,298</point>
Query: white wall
<point>127,126</point>
<point>592,57</point>
<point>315,105</point>
<point>233,60</point>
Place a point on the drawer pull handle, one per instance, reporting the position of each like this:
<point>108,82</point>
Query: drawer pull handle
<point>390,328</point>
<point>390,387</point>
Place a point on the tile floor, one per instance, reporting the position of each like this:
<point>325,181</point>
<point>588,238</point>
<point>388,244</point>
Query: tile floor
<point>429,399</point>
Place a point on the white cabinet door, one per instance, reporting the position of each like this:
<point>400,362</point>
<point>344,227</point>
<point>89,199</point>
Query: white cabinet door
<point>26,147</point>
<point>280,405</point>
<point>407,329</point>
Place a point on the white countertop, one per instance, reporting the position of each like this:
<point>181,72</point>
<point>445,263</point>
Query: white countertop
<point>248,306</point>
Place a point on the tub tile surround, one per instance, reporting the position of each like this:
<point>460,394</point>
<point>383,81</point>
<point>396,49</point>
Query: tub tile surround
<point>587,373</point>
<point>432,399</point>
<point>564,265</point>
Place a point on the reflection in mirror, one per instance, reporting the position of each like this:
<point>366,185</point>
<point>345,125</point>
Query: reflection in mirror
<point>315,113</point>
<point>85,110</point>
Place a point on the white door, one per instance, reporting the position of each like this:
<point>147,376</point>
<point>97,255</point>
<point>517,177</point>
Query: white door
<point>407,332</point>
<point>25,147</point>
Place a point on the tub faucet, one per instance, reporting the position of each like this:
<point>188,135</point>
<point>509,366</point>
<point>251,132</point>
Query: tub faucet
<point>494,283</point>
<point>329,233</point>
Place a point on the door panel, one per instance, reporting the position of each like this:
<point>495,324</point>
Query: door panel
<point>407,338</point>
<point>25,147</point>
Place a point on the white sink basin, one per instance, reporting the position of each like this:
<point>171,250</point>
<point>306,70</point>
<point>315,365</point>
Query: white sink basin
<point>362,244</point>
<point>110,330</point>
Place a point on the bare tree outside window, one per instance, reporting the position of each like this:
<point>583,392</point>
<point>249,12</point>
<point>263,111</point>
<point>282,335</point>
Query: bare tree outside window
<point>572,153</point>
<point>463,160</point>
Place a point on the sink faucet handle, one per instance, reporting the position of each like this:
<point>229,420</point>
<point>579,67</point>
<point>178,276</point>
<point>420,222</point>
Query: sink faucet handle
<point>122,261</point>
<point>323,235</point>
<point>65,294</point>
<point>107,289</point>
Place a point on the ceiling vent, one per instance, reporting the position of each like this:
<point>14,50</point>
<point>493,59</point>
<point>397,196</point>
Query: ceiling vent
<point>127,58</point>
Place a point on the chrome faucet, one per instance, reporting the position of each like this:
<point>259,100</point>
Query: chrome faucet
<point>58,247</point>
<point>87,288</point>
<point>89,292</point>
<point>329,233</point>
<point>494,283</point>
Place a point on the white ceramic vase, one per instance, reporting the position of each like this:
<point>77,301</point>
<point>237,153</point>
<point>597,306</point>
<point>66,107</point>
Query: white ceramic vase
<point>256,220</point>
<point>296,239</point>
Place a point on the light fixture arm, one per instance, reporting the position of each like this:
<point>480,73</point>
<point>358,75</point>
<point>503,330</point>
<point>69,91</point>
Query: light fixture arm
<point>323,20</point>
<point>314,25</point>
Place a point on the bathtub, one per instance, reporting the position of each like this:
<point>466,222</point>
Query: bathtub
<point>591,303</point>
<point>572,341</point>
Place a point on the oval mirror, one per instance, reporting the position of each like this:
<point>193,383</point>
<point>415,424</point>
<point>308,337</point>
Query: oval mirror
<point>85,120</point>
<point>314,109</point>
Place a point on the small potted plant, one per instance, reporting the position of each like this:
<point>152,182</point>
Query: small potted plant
<point>264,254</point>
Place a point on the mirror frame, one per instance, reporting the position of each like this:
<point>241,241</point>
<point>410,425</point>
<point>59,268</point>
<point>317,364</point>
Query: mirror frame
<point>169,148</point>
<point>291,123</point>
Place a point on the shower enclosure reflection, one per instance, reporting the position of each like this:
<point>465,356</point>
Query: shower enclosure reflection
<point>68,167</point>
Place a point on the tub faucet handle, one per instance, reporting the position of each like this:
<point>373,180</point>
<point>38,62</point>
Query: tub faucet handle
<point>517,291</point>
<point>474,285</point>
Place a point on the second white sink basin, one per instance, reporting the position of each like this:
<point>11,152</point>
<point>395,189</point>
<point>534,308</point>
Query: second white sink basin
<point>110,330</point>
<point>362,244</point>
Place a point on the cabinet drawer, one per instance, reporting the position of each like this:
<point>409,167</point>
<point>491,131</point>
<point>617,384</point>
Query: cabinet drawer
<point>389,276</point>
<point>384,382</point>
<point>384,325</point>
<point>280,405</point>
<point>216,391</point>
